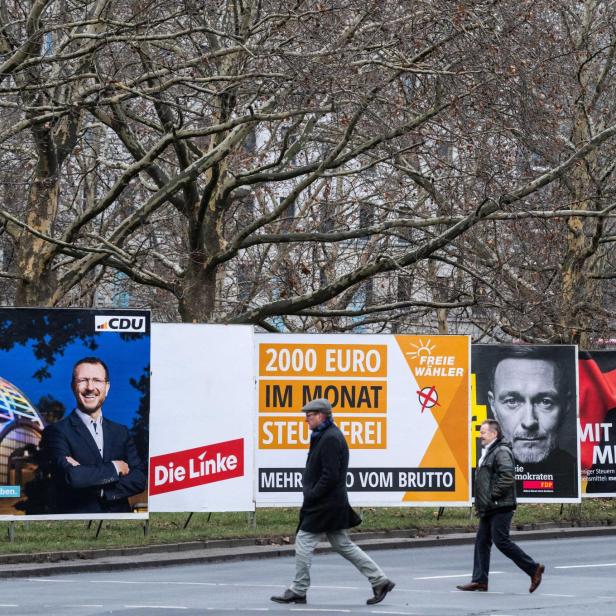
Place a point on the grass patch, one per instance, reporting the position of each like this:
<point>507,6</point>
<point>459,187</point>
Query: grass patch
<point>31,536</point>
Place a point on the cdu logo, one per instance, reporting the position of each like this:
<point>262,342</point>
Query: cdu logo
<point>119,324</point>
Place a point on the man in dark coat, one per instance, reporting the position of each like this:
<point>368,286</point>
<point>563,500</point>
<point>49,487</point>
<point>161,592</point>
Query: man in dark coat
<point>495,503</point>
<point>326,508</point>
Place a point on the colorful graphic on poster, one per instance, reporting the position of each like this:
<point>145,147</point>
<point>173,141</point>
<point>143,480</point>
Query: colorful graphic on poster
<point>597,371</point>
<point>202,419</point>
<point>74,412</point>
<point>402,403</point>
<point>532,391</point>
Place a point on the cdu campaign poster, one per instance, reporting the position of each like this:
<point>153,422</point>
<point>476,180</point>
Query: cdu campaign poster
<point>401,402</point>
<point>532,391</point>
<point>597,371</point>
<point>74,412</point>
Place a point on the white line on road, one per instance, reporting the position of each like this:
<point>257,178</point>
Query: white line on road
<point>157,583</point>
<point>457,575</point>
<point>156,607</point>
<point>397,613</point>
<point>318,609</point>
<point>549,594</point>
<point>585,566</point>
<point>54,580</point>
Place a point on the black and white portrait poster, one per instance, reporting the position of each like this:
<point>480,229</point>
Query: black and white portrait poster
<point>532,391</point>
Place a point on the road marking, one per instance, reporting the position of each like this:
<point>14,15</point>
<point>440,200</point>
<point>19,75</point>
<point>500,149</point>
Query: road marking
<point>319,609</point>
<point>585,566</point>
<point>86,605</point>
<point>54,580</point>
<point>480,592</point>
<point>157,607</point>
<point>548,594</point>
<point>457,575</point>
<point>398,613</point>
<point>160,583</point>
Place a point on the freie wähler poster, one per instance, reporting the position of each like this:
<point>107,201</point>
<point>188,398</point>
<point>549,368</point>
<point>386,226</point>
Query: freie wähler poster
<point>402,403</point>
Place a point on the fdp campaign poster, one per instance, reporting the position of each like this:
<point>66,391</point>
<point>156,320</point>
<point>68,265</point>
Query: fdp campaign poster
<point>532,391</point>
<point>402,403</point>
<point>598,422</point>
<point>202,424</point>
<point>74,411</point>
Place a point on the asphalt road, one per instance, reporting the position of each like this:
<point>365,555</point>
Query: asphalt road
<point>579,579</point>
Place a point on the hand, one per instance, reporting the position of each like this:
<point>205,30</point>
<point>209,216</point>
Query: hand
<point>122,467</point>
<point>72,461</point>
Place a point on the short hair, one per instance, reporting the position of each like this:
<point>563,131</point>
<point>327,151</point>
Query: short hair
<point>91,360</point>
<point>494,425</point>
<point>563,378</point>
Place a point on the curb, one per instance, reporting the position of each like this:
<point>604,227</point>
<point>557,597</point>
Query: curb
<point>201,552</point>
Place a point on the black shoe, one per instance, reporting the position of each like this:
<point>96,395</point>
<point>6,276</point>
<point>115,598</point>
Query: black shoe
<point>474,587</point>
<point>380,590</point>
<point>290,597</point>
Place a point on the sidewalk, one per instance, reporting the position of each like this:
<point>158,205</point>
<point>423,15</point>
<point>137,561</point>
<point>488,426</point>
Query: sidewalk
<point>113,559</point>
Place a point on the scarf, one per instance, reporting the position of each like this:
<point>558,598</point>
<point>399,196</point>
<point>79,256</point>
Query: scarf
<point>316,433</point>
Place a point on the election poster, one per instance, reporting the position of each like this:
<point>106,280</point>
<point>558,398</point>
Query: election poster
<point>597,370</point>
<point>74,412</point>
<point>532,391</point>
<point>202,420</point>
<point>402,403</point>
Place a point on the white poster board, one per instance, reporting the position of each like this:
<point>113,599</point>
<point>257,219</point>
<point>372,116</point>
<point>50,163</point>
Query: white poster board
<point>202,418</point>
<point>402,403</point>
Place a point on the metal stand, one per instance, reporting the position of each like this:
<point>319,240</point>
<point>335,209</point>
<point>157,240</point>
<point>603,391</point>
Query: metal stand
<point>98,530</point>
<point>251,518</point>
<point>188,519</point>
<point>146,528</point>
<point>441,511</point>
<point>11,532</point>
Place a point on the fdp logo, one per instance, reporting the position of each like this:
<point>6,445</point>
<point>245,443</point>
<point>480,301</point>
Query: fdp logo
<point>104,323</point>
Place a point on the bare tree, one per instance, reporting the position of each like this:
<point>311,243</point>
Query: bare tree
<point>292,165</point>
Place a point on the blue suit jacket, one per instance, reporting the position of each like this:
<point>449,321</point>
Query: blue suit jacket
<point>94,486</point>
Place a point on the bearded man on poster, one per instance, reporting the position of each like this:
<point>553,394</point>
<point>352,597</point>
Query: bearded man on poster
<point>326,508</point>
<point>92,460</point>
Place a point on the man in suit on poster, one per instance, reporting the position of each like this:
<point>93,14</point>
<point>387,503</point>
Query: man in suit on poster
<point>93,461</point>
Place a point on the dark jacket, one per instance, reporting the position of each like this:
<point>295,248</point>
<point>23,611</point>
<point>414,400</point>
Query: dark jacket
<point>94,486</point>
<point>495,480</point>
<point>326,504</point>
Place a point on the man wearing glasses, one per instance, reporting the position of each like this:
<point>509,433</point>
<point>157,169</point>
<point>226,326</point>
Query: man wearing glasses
<point>326,508</point>
<point>93,461</point>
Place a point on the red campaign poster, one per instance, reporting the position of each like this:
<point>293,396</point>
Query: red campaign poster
<point>597,374</point>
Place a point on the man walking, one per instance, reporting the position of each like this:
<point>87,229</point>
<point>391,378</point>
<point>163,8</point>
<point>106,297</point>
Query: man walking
<point>326,508</point>
<point>495,503</point>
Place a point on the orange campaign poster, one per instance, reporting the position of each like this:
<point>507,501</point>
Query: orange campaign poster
<point>402,403</point>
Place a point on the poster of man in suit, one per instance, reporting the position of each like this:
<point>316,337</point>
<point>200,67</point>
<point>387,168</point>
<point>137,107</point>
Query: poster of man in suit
<point>74,413</point>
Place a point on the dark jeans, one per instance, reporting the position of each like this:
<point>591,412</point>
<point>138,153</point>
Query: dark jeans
<point>495,528</point>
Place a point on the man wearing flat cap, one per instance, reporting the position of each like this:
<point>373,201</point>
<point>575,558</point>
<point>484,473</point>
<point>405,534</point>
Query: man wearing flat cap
<point>326,508</point>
